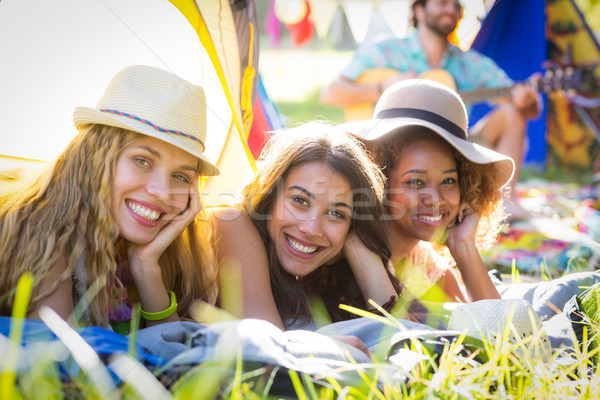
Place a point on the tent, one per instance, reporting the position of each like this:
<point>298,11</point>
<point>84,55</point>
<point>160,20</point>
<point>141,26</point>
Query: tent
<point>229,35</point>
<point>58,55</point>
<point>524,37</point>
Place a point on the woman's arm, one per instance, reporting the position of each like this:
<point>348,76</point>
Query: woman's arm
<point>243,267</point>
<point>369,271</point>
<point>450,284</point>
<point>461,243</point>
<point>144,266</point>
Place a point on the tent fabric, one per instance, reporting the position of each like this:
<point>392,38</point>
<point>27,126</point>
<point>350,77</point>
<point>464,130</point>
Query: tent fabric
<point>513,35</point>
<point>573,129</point>
<point>524,37</point>
<point>228,33</point>
<point>259,131</point>
<point>266,118</point>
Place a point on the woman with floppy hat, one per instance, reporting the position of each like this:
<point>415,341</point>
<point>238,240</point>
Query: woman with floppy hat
<point>444,202</point>
<point>443,192</point>
<point>111,223</point>
<point>309,229</point>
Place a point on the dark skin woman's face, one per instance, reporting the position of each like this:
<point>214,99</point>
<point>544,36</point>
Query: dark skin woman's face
<point>423,192</point>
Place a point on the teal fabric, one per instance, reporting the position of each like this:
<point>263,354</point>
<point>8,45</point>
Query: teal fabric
<point>470,69</point>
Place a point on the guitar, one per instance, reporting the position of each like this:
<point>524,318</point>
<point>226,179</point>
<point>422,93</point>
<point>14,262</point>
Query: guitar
<point>552,80</point>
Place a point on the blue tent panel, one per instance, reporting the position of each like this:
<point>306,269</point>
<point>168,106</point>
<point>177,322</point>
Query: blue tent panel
<point>513,35</point>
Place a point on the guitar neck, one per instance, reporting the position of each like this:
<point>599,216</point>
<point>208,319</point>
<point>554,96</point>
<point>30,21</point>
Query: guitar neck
<point>479,95</point>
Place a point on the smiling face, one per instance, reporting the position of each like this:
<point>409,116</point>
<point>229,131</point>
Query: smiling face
<point>423,195</point>
<point>151,186</point>
<point>310,218</point>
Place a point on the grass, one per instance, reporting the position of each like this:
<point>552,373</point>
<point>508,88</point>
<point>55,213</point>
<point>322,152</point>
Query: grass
<point>494,369</point>
<point>309,109</point>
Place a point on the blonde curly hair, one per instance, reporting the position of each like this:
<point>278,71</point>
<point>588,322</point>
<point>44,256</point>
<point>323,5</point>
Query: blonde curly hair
<point>65,212</point>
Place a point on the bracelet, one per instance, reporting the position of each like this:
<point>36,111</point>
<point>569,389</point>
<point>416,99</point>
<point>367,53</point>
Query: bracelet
<point>387,306</point>
<point>155,316</point>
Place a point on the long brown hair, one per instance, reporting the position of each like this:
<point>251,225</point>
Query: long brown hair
<point>334,284</point>
<point>66,213</point>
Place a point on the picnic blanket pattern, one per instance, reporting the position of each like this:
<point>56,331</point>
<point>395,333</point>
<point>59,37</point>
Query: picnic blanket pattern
<point>565,240</point>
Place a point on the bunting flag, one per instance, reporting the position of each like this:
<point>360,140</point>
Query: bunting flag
<point>302,31</point>
<point>396,14</point>
<point>358,14</point>
<point>341,33</point>
<point>322,15</point>
<point>466,30</point>
<point>366,19</point>
<point>272,25</point>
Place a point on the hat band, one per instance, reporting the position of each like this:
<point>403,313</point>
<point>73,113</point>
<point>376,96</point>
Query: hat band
<point>158,128</point>
<point>426,116</point>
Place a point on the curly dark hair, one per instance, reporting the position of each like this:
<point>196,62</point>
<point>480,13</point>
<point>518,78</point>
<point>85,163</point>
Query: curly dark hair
<point>476,181</point>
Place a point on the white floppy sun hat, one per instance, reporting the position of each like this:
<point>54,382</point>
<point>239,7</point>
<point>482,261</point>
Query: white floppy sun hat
<point>425,103</point>
<point>494,318</point>
<point>155,103</point>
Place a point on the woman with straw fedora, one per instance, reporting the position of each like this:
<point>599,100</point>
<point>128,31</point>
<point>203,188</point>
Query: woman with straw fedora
<point>112,223</point>
<point>443,193</point>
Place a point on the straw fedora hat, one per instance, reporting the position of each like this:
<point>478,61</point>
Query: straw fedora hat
<point>155,103</point>
<point>423,102</point>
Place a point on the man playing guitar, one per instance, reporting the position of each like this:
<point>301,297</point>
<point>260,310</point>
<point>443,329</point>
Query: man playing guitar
<point>502,129</point>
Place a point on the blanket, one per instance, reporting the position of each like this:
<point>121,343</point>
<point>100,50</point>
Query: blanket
<point>564,237</point>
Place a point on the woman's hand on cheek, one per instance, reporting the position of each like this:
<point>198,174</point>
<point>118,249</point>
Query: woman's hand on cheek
<point>141,255</point>
<point>464,228</point>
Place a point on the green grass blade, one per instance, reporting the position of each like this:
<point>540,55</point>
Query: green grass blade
<point>300,392</point>
<point>135,323</point>
<point>138,377</point>
<point>19,312</point>
<point>82,353</point>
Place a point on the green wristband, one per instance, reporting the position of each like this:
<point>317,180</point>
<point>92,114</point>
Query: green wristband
<point>156,316</point>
